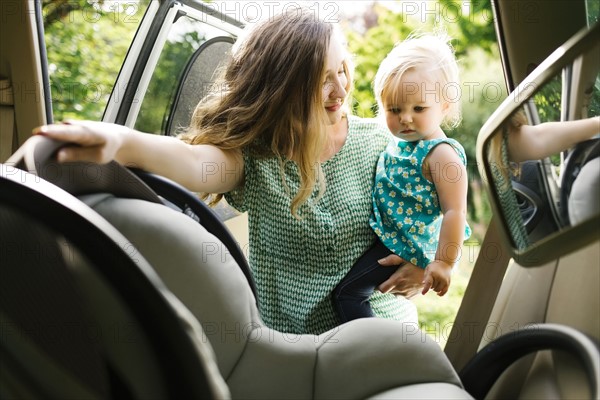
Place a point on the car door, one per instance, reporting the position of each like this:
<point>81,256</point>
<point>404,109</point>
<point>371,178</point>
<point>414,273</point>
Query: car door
<point>170,65</point>
<point>551,70</point>
<point>24,85</point>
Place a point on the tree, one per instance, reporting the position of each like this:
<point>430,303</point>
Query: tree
<point>471,26</point>
<point>86,44</point>
<point>161,92</point>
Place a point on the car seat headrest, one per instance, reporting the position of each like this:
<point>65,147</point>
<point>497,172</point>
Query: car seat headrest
<point>38,156</point>
<point>584,199</point>
<point>579,203</point>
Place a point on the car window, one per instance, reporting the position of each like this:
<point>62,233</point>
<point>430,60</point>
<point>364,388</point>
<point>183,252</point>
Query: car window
<point>86,44</point>
<point>593,14</point>
<point>185,38</point>
<point>548,100</point>
<point>592,9</point>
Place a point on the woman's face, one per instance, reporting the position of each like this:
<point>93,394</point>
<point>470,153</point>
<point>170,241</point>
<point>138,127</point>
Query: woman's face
<point>336,81</point>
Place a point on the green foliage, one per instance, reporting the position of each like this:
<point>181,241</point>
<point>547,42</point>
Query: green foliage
<point>548,100</point>
<point>368,51</point>
<point>593,10</point>
<point>474,40</point>
<point>161,91</point>
<point>437,314</point>
<point>86,45</point>
<point>59,10</point>
<point>474,21</point>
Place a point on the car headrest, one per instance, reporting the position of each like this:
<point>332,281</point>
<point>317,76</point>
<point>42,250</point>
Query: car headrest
<point>38,156</point>
<point>584,199</point>
<point>584,203</point>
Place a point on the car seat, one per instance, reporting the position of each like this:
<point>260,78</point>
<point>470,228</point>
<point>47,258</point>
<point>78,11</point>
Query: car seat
<point>580,183</point>
<point>366,358</point>
<point>80,317</point>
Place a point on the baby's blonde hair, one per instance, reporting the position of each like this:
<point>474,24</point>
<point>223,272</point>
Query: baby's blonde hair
<point>430,53</point>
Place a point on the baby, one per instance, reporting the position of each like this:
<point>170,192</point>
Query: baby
<point>420,188</point>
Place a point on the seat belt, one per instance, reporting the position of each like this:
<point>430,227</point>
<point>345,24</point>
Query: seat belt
<point>477,303</point>
<point>7,119</point>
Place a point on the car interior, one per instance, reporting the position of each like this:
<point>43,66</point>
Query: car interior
<point>118,283</point>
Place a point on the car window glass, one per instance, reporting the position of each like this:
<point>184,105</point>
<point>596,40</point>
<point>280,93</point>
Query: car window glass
<point>86,45</point>
<point>593,14</point>
<point>185,37</point>
<point>548,106</point>
<point>592,9</point>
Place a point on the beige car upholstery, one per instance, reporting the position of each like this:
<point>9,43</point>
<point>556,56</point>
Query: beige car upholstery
<point>366,358</point>
<point>358,360</point>
<point>564,291</point>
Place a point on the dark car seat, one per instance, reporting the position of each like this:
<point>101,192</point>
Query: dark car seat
<point>82,316</point>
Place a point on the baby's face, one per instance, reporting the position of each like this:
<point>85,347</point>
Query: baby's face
<point>417,110</point>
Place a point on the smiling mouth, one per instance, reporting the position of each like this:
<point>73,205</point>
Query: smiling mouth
<point>333,107</point>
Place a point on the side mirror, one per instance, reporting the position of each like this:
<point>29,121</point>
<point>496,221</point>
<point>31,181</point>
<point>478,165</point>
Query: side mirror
<point>551,206</point>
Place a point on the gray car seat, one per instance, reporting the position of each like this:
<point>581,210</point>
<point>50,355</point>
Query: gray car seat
<point>256,362</point>
<point>367,358</point>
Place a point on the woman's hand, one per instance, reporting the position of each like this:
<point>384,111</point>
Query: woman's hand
<point>97,142</point>
<point>407,281</point>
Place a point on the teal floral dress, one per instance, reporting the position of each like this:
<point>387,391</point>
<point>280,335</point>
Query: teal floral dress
<point>406,212</point>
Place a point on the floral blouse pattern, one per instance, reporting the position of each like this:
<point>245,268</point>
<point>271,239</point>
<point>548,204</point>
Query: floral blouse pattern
<point>406,212</point>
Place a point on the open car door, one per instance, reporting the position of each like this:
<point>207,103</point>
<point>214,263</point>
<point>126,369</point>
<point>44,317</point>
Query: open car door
<point>540,260</point>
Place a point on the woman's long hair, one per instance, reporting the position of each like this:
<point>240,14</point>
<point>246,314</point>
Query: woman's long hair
<point>498,147</point>
<point>270,101</point>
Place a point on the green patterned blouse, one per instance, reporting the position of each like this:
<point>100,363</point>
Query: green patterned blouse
<point>297,263</point>
<point>501,173</point>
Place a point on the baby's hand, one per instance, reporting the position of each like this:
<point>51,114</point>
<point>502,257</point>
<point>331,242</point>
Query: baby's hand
<point>437,277</point>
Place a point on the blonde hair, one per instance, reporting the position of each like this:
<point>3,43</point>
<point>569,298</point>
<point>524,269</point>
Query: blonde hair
<point>429,53</point>
<point>271,100</point>
<point>498,146</point>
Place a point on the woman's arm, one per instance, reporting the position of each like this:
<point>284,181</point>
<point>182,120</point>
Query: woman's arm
<point>532,142</point>
<point>200,168</point>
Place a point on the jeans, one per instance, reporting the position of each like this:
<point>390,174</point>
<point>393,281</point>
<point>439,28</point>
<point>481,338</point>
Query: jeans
<point>351,296</point>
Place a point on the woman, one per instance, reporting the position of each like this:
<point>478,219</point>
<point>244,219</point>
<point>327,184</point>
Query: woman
<point>279,145</point>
